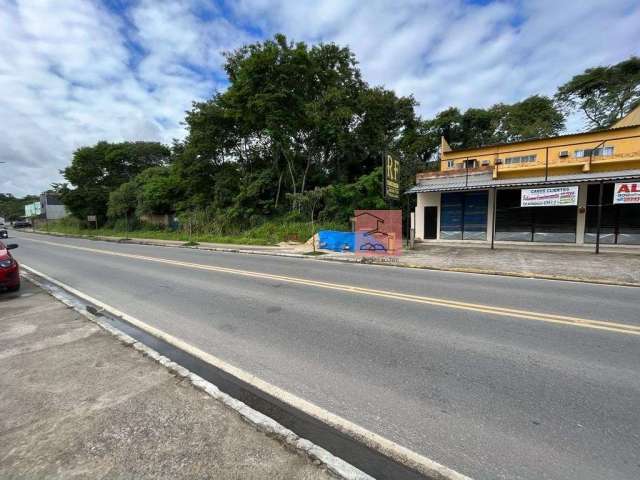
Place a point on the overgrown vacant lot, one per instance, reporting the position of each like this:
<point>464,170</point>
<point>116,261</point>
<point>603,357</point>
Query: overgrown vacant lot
<point>268,233</point>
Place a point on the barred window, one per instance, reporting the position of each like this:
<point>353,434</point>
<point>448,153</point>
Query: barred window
<point>521,159</point>
<point>596,152</point>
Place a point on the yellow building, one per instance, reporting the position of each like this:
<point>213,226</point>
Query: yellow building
<point>541,190</point>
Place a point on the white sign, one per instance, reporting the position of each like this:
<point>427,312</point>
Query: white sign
<point>549,197</point>
<point>92,218</point>
<point>626,193</point>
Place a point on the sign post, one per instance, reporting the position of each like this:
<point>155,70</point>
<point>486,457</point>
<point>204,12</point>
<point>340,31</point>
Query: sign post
<point>391,178</point>
<point>93,218</point>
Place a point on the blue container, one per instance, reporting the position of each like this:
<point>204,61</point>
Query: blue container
<point>337,241</point>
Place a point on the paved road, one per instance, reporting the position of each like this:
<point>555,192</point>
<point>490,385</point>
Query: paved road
<point>512,393</point>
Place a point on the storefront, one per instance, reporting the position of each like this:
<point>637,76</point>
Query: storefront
<point>464,215</point>
<point>620,222</point>
<point>558,211</point>
<point>550,223</point>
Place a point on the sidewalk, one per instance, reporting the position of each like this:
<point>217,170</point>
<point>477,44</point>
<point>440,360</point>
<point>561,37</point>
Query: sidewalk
<point>77,403</point>
<point>607,267</point>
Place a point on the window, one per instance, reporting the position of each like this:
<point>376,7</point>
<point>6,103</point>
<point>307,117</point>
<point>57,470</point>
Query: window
<point>521,159</point>
<point>451,163</point>
<point>471,163</point>
<point>596,152</point>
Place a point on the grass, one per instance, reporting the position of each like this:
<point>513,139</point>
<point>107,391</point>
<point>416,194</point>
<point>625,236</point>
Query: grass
<point>269,233</point>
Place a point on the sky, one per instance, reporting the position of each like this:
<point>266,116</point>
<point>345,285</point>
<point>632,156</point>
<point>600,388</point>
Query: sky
<point>74,72</point>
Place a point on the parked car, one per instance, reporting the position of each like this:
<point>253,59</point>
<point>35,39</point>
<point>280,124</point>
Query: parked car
<point>21,224</point>
<point>9,269</point>
<point>4,233</point>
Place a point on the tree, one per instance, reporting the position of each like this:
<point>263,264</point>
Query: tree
<point>294,117</point>
<point>97,170</point>
<point>12,208</point>
<point>157,191</point>
<point>603,94</point>
<point>123,200</point>
<point>533,117</point>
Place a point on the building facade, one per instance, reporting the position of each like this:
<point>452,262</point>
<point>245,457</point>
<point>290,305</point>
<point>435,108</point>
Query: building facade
<point>555,190</point>
<point>49,207</point>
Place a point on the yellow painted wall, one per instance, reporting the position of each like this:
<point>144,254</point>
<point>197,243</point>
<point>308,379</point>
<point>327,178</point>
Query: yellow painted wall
<point>625,143</point>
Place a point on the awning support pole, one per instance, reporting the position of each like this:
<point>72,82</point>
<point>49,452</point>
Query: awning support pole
<point>493,216</point>
<point>599,218</point>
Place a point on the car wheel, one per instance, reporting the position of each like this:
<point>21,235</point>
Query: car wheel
<point>14,289</point>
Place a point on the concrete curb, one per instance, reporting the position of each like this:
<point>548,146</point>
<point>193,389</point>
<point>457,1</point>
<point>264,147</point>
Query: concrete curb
<point>335,465</point>
<point>534,275</point>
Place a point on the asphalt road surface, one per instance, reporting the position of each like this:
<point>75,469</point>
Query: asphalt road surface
<point>483,374</point>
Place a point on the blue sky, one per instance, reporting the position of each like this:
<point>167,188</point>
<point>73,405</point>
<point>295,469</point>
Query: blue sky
<point>73,72</point>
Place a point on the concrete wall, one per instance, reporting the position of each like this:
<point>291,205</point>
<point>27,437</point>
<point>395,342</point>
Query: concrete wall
<point>55,212</point>
<point>428,199</point>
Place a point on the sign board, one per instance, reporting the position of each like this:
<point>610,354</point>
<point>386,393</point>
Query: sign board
<point>378,233</point>
<point>549,197</point>
<point>391,177</point>
<point>626,193</point>
<point>91,218</point>
<point>33,210</point>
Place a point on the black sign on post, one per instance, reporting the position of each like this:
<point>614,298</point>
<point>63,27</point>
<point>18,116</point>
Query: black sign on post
<point>391,177</point>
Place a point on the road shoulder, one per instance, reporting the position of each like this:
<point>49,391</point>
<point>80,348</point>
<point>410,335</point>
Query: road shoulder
<point>74,402</point>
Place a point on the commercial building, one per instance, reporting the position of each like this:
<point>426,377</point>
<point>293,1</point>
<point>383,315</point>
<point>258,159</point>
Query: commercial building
<point>563,189</point>
<point>49,207</point>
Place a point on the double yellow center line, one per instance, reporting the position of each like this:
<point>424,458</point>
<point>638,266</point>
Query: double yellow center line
<point>439,302</point>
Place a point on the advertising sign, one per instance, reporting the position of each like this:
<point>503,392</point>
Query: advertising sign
<point>378,232</point>
<point>626,193</point>
<point>549,197</point>
<point>92,218</point>
<point>33,210</point>
<point>391,177</point>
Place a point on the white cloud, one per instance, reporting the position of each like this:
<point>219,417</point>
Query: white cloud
<point>457,53</point>
<point>73,72</point>
<point>69,78</point>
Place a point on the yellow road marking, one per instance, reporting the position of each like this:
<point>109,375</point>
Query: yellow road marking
<point>441,302</point>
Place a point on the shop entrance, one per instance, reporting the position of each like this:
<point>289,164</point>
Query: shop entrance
<point>464,215</point>
<point>533,224</point>
<point>620,224</point>
<point>430,223</point>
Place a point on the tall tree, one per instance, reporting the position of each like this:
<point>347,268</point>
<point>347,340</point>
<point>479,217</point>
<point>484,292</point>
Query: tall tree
<point>97,170</point>
<point>603,94</point>
<point>533,117</point>
<point>294,117</point>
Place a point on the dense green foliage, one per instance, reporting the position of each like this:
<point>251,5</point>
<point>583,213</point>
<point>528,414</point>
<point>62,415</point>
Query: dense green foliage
<point>98,170</point>
<point>603,94</point>
<point>534,117</point>
<point>12,208</point>
<point>297,138</point>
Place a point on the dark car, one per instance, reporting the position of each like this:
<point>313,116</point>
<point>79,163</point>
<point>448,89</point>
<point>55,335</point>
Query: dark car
<point>9,269</point>
<point>4,233</point>
<point>21,224</point>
